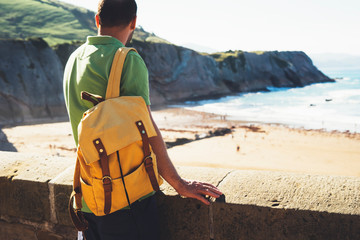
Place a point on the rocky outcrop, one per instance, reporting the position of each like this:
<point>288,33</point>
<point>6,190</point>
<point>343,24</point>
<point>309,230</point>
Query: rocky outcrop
<point>246,71</point>
<point>31,75</point>
<point>30,81</point>
<point>178,74</point>
<point>5,145</point>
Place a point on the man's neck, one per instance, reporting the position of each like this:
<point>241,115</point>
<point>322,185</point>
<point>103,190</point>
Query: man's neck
<point>120,34</point>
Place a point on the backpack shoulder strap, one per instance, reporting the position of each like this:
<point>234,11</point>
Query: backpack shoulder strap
<point>76,215</point>
<point>113,87</point>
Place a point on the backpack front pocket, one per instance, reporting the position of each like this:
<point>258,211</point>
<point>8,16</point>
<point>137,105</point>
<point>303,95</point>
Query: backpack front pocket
<point>88,195</point>
<point>118,195</point>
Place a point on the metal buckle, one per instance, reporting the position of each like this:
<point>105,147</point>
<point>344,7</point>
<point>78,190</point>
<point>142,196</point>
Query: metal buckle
<point>78,210</point>
<point>148,164</point>
<point>148,157</point>
<point>106,177</point>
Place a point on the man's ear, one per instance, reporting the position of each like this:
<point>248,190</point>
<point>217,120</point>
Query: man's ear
<point>97,20</point>
<point>133,24</point>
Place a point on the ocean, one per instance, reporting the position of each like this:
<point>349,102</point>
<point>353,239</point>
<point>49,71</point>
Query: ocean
<point>328,106</point>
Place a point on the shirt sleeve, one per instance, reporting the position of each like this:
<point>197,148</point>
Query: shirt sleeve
<point>135,78</point>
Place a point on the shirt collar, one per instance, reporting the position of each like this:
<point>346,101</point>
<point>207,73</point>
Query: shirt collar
<point>103,40</point>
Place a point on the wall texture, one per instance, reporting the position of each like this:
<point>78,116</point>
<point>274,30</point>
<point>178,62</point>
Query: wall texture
<point>259,205</point>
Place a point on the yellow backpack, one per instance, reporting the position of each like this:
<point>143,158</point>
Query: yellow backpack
<point>115,164</point>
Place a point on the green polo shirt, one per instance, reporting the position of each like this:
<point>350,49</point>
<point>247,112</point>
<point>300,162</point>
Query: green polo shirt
<point>88,69</point>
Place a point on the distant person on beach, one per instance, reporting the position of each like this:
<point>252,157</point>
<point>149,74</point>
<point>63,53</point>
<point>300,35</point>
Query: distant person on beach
<point>87,70</point>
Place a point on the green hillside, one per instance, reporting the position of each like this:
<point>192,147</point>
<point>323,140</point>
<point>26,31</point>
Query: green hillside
<point>141,35</point>
<point>54,21</point>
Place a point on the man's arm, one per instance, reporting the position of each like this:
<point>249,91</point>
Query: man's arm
<point>135,69</point>
<point>192,189</point>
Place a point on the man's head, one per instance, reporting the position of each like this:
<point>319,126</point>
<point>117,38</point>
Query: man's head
<point>116,12</point>
<point>117,15</point>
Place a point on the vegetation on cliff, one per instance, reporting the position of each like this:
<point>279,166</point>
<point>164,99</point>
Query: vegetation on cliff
<point>54,21</point>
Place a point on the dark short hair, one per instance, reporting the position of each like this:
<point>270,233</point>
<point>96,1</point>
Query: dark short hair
<point>116,12</point>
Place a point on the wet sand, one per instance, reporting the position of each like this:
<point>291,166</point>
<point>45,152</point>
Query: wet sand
<point>259,147</point>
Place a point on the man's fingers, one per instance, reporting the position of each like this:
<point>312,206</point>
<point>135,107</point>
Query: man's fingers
<point>199,190</point>
<point>202,199</point>
<point>209,193</point>
<point>211,188</point>
<point>215,190</point>
<point>209,185</point>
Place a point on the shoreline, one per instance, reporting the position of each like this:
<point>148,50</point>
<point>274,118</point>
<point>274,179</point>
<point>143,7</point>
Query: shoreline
<point>231,118</point>
<point>214,118</point>
<point>304,126</point>
<point>328,107</point>
<point>260,146</point>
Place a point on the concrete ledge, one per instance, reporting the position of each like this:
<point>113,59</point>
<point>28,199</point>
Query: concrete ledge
<point>259,205</point>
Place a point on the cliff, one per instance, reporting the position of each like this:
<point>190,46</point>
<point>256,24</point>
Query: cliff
<point>31,71</point>
<point>31,75</point>
<point>30,81</point>
<point>179,74</point>
<point>254,71</point>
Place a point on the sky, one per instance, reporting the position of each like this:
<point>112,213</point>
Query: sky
<point>312,26</point>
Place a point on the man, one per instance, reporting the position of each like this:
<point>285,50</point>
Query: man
<point>88,69</point>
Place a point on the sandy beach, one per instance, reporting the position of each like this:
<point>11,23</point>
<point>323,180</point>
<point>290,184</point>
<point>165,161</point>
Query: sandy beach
<point>256,146</point>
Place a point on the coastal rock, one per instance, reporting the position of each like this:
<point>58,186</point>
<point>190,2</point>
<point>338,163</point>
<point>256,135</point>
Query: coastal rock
<point>179,74</point>
<point>30,81</point>
<point>5,145</point>
<point>31,75</point>
<point>256,71</point>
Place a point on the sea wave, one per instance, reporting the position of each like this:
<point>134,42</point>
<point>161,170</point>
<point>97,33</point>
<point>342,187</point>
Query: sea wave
<point>330,106</point>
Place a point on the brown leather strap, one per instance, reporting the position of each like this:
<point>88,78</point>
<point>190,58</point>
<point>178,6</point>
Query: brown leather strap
<point>144,137</point>
<point>77,184</point>
<point>107,181</point>
<point>77,217</point>
<point>94,99</point>
<point>149,166</point>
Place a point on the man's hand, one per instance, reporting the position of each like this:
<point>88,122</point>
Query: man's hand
<point>191,189</point>
<point>198,190</point>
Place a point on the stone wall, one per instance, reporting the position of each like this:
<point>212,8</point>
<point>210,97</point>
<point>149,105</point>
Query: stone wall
<point>259,205</point>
